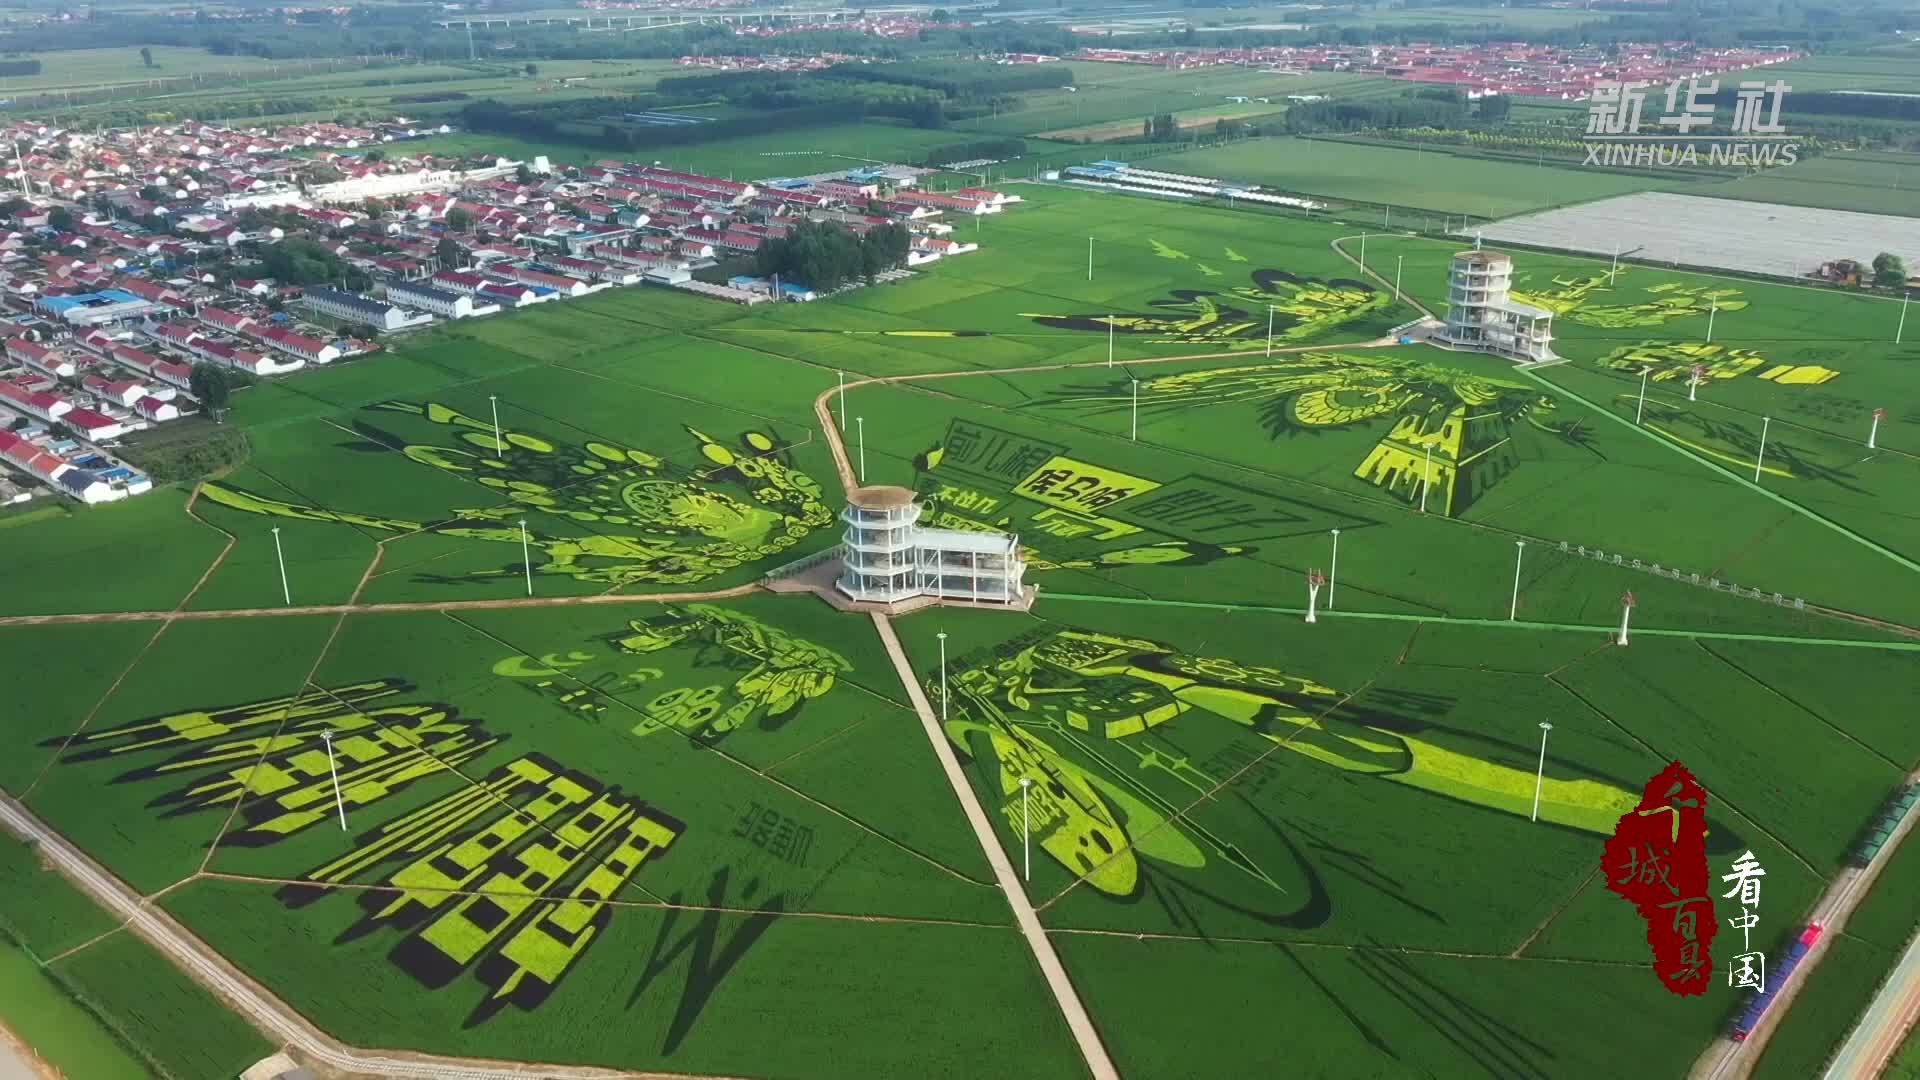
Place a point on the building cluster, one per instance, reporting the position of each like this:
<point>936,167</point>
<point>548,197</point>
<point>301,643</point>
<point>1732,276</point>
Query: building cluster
<point>165,169</point>
<point>1497,68</point>
<point>109,295</point>
<point>769,62</point>
<point>881,26</point>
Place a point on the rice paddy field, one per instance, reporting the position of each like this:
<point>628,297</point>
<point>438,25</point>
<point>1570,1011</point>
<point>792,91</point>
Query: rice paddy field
<point>650,822</point>
<point>1432,181</point>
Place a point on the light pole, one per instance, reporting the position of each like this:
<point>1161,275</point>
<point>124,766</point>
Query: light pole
<point>1626,614</point>
<point>1333,568</point>
<point>338,803</point>
<point>1693,381</point>
<point>942,635</point>
<point>1873,433</point>
<point>1426,479</point>
<point>526,556</point>
<point>285,594</point>
<point>1026,832</point>
<point>1640,409</point>
<point>1901,330</point>
<point>1109,341</point>
<point>1712,310</point>
<point>1540,774</point>
<point>1397,260</point>
<point>860,424</point>
<point>1363,251</point>
<point>1314,581</point>
<point>1762,455</point>
<point>1134,433</point>
<point>498,446</point>
<point>843,402</point>
<point>1089,258</point>
<point>1519,551</point>
<point>1269,329</point>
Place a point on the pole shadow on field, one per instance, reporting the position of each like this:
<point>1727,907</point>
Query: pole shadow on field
<point>707,968</point>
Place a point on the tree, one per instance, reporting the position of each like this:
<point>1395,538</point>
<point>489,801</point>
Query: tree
<point>1889,270</point>
<point>459,220</point>
<point>448,253</point>
<point>212,384</point>
<point>532,70</point>
<point>1495,108</point>
<point>523,173</point>
<point>146,56</point>
<point>60,218</point>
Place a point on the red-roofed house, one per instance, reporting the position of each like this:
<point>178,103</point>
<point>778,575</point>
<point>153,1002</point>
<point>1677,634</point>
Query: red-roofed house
<point>312,350</point>
<point>93,426</point>
<point>51,361</point>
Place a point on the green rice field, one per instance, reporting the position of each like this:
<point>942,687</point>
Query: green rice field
<point>633,812</point>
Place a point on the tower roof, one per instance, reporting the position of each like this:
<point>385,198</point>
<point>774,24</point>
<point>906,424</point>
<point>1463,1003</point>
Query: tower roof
<point>880,497</point>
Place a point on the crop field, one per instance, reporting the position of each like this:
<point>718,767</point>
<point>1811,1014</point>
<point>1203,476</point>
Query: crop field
<point>1874,183</point>
<point>1106,93</point>
<point>613,817</point>
<point>87,69</point>
<point>799,152</point>
<point>1432,181</point>
<point>1213,815</point>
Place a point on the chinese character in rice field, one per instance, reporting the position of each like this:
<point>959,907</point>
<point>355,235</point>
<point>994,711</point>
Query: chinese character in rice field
<point>1679,361</point>
<point>1086,717</point>
<point>1302,308</point>
<point>648,519</point>
<point>1656,860</point>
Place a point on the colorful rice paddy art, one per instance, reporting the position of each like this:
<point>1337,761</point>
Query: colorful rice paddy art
<point>1072,514</point>
<point>505,864</point>
<point>597,512</point>
<point>1674,361</point>
<point>1452,430</point>
<point>508,877</point>
<point>1302,308</point>
<point>1571,299</point>
<point>1121,737</point>
<point>777,673</point>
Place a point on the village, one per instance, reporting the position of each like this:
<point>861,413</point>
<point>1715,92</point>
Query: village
<point>115,274</point>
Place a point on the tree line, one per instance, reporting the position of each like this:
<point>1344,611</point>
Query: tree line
<point>826,255</point>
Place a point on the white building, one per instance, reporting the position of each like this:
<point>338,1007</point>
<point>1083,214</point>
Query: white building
<point>886,557</point>
<point>352,307</point>
<point>445,303</point>
<point>1481,317</point>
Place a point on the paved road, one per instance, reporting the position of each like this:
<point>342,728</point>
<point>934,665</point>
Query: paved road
<point>1725,1059</point>
<point>1877,1038</point>
<point>14,1064</point>
<point>1084,1033</point>
<point>267,1012</point>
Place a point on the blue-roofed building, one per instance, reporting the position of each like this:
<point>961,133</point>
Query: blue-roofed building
<point>94,308</point>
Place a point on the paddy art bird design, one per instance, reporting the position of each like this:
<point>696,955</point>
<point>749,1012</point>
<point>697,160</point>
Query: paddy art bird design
<point>1451,428</point>
<point>1016,707</point>
<point>1571,298</point>
<point>596,511</point>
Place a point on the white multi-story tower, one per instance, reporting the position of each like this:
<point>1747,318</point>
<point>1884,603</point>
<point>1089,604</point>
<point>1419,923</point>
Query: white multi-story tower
<point>877,549</point>
<point>886,557</point>
<point>1480,315</point>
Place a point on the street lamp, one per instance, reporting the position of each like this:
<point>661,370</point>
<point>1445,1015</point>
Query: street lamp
<point>1539,775</point>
